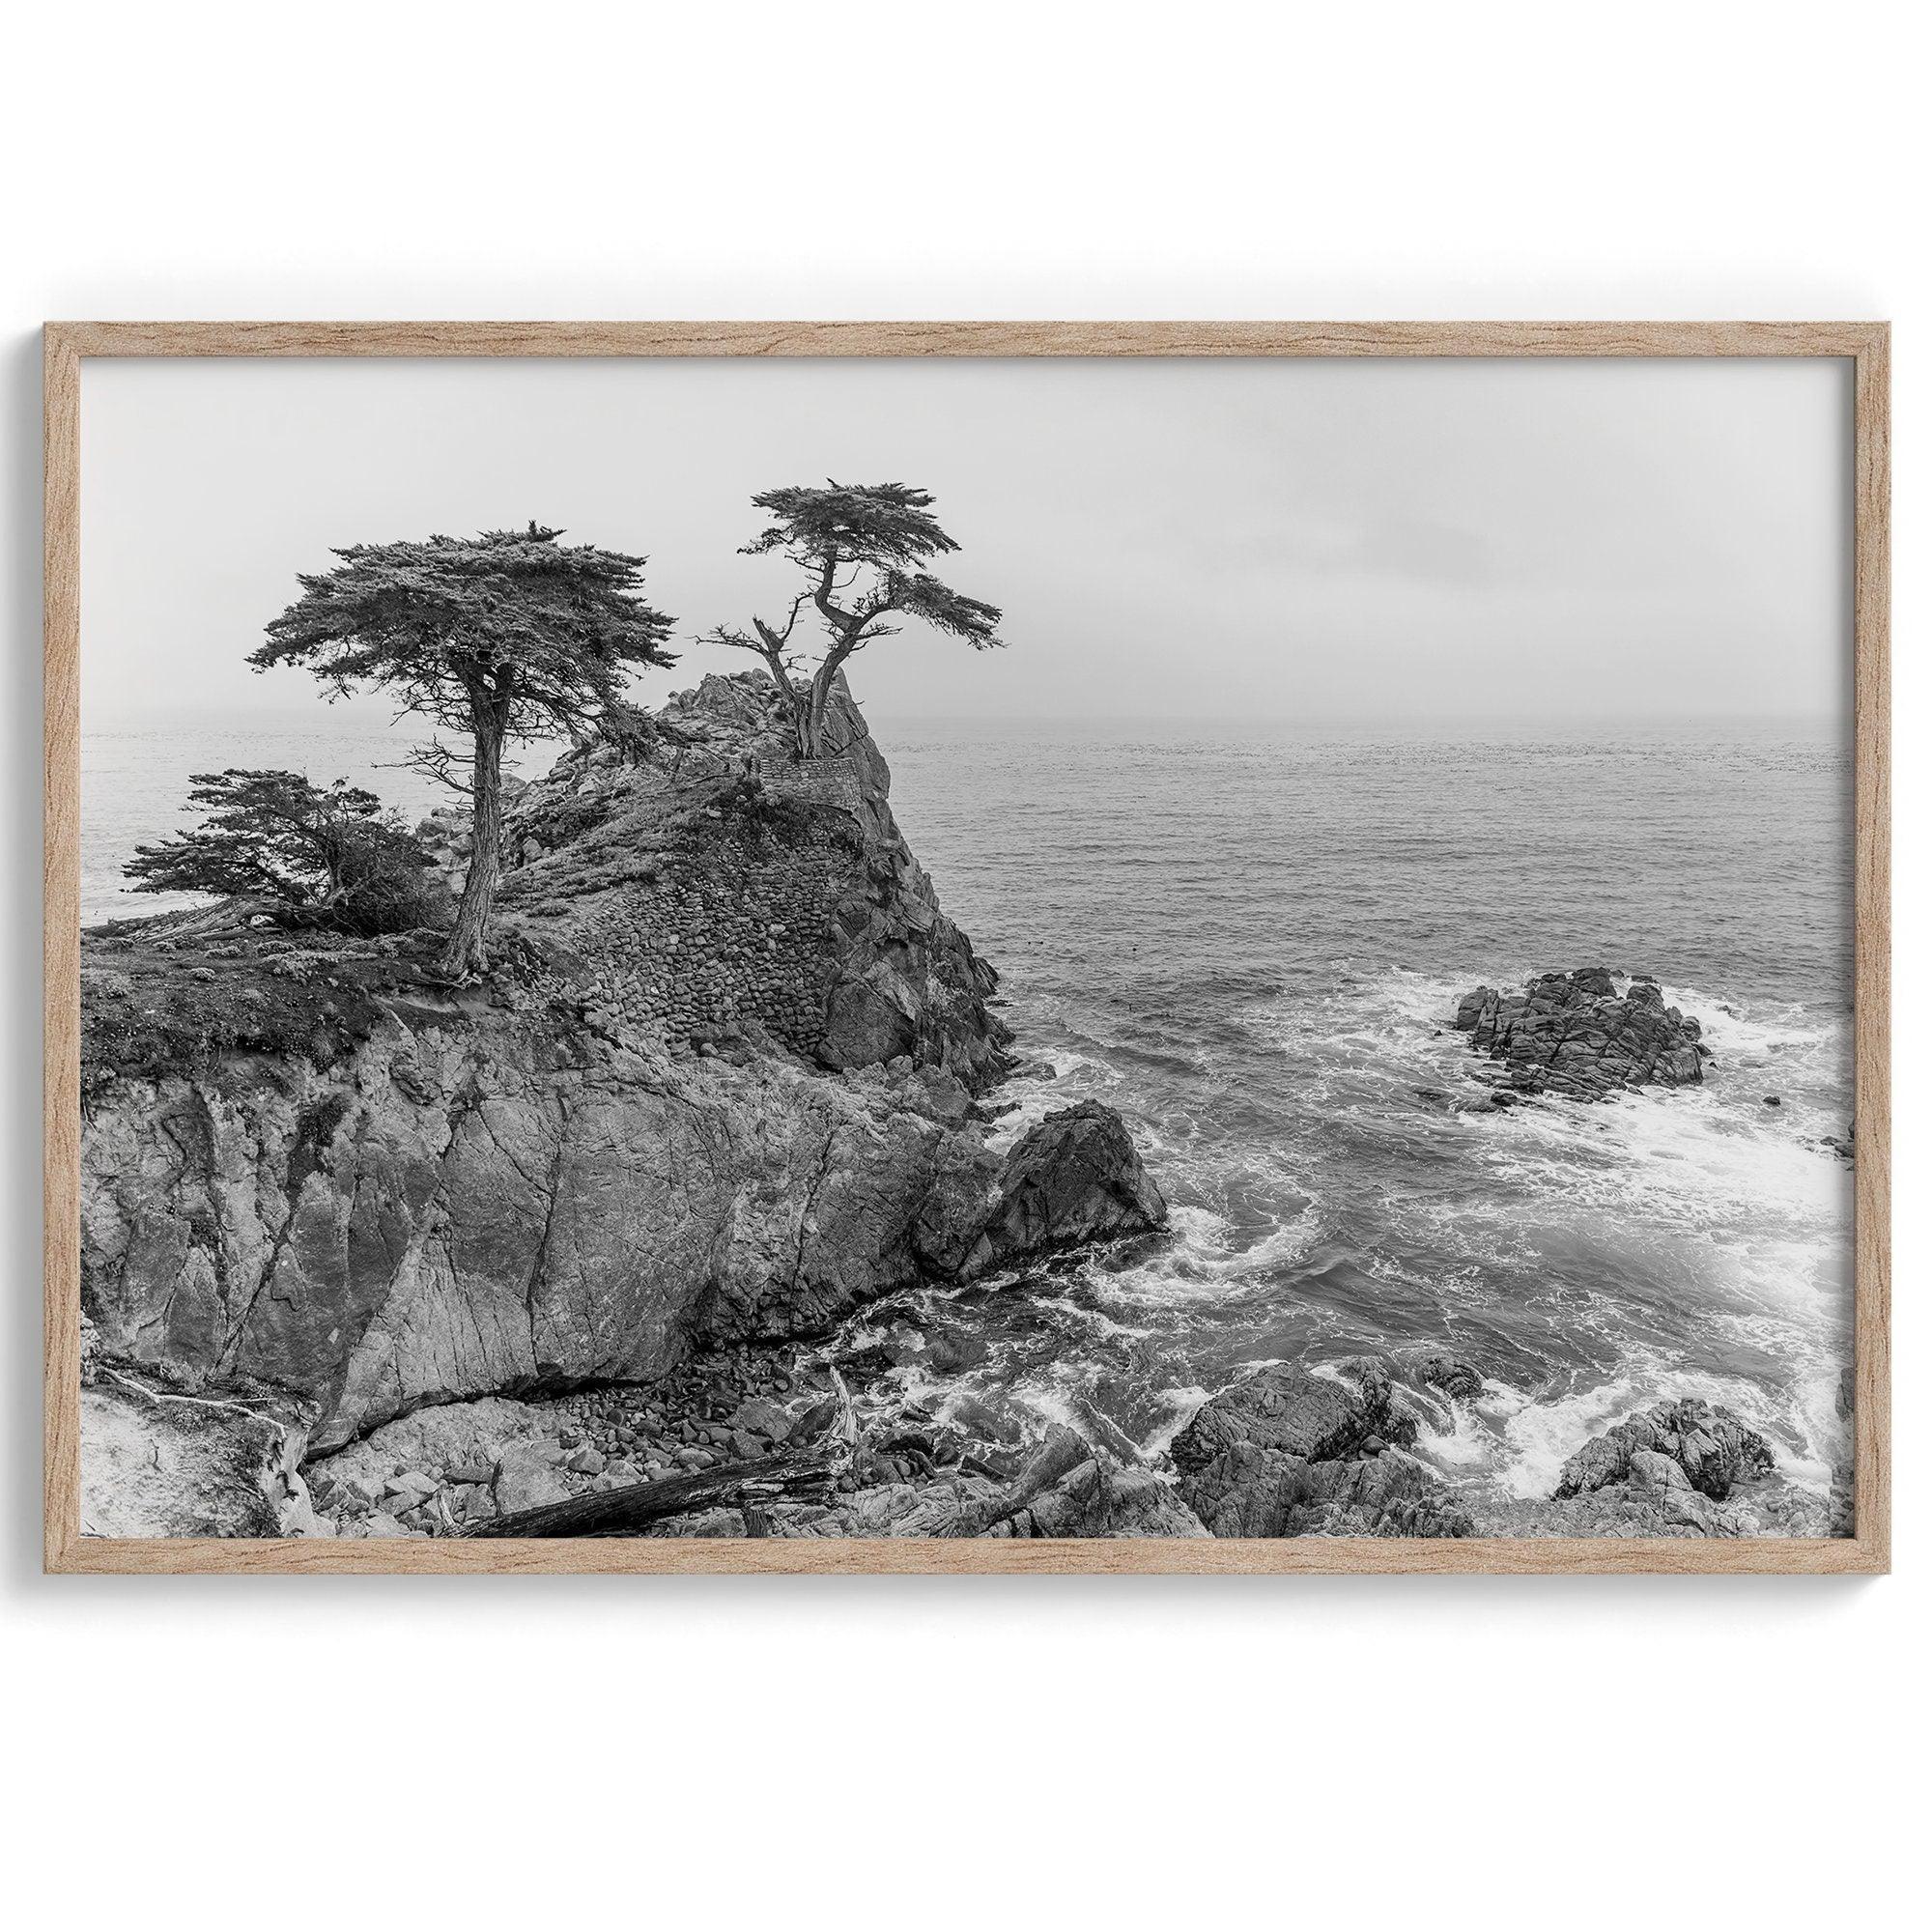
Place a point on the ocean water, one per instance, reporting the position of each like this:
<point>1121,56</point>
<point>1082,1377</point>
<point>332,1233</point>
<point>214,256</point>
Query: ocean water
<point>1251,940</point>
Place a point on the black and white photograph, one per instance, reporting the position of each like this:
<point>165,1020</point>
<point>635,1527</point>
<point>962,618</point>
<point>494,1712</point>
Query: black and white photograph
<point>965,967</point>
<point>967,947</point>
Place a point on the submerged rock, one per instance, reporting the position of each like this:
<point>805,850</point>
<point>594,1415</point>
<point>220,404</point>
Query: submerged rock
<point>1573,1035</point>
<point>1436,1369</point>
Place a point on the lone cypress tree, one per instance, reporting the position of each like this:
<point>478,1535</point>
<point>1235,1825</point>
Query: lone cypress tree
<point>861,549</point>
<point>507,636</point>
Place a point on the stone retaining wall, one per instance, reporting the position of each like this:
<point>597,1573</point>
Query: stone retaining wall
<point>729,913</point>
<point>704,947</point>
<point>830,781</point>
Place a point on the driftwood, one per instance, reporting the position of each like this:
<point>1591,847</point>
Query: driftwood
<point>634,1508</point>
<point>191,922</point>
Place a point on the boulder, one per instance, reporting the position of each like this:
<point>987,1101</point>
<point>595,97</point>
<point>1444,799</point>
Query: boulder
<point>460,1441</point>
<point>1285,1452</point>
<point>1571,1033</point>
<point>1251,1491</point>
<point>158,1462</point>
<point>1289,1409</point>
<point>1076,1176</point>
<point>1099,1498</point>
<point>529,1474</point>
<point>1651,1471</point>
<point>1651,1504</point>
<point>1681,1469</point>
<point>1711,1450</point>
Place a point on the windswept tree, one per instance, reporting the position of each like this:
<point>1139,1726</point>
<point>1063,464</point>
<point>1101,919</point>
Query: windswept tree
<point>862,550</point>
<point>509,636</point>
<point>302,854</point>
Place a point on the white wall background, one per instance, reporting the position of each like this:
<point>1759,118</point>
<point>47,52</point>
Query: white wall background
<point>1569,1753</point>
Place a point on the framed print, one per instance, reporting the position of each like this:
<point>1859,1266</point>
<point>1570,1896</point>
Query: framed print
<point>962,946</point>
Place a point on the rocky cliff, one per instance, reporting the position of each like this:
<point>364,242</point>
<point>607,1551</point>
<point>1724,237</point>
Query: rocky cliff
<point>719,1088</point>
<point>697,879</point>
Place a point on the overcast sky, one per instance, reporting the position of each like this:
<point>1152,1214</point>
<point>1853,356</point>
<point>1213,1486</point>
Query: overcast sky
<point>1319,540</point>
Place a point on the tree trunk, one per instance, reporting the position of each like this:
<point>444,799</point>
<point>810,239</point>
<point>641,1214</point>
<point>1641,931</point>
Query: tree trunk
<point>466,952</point>
<point>812,734</point>
<point>770,649</point>
<point>795,707</point>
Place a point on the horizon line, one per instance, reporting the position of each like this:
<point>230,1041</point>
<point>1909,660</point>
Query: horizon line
<point>341,722</point>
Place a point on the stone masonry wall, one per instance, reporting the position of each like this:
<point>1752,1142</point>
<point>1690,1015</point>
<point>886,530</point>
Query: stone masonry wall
<point>832,781</point>
<point>700,953</point>
<point>714,941</point>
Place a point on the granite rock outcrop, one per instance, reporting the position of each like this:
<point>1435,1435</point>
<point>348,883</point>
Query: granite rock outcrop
<point>1575,1035</point>
<point>1075,1177</point>
<point>1286,1452</point>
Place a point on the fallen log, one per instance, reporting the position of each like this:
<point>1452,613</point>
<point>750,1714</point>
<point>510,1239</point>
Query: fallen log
<point>632,1509</point>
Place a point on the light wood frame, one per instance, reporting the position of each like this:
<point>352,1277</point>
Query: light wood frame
<point>1865,344</point>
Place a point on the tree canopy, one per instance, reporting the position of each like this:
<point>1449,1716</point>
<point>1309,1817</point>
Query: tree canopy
<point>512,623</point>
<point>304,854</point>
<point>863,549</point>
<point>509,636</point>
